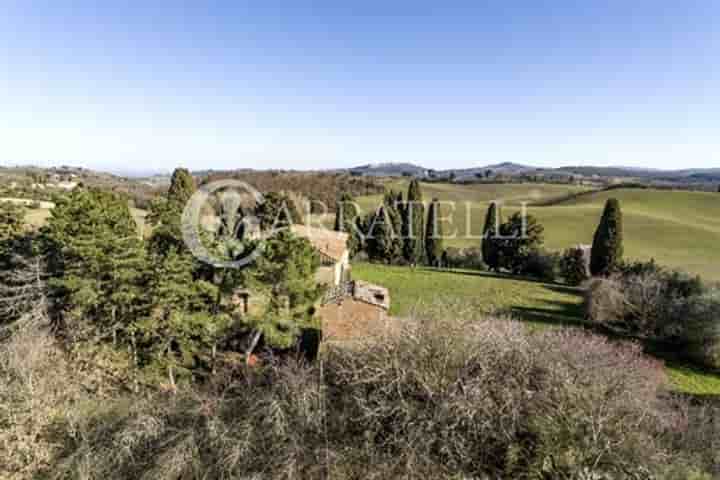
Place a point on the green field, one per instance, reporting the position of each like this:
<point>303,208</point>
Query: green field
<point>679,229</point>
<point>468,294</point>
<point>37,217</point>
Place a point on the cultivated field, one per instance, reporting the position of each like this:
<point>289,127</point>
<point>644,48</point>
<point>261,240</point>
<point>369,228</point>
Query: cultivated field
<point>679,229</point>
<point>466,294</point>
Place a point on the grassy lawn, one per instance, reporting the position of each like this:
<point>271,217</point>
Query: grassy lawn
<point>466,293</point>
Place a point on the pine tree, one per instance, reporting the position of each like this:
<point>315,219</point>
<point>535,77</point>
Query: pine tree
<point>96,262</point>
<point>179,324</point>
<point>12,224</point>
<point>12,220</point>
<point>182,186</point>
<point>277,211</point>
<point>414,225</point>
<point>490,242</point>
<point>285,273</point>
<point>607,247</point>
<point>434,234</point>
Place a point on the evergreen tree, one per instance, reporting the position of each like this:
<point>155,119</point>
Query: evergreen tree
<point>166,213</point>
<point>182,186</point>
<point>379,236</point>
<point>179,325</point>
<point>285,273</point>
<point>521,236</point>
<point>434,234</point>
<point>346,220</point>
<point>277,211</point>
<point>607,247</point>
<point>96,263</point>
<point>414,225</point>
<point>393,207</point>
<point>12,220</point>
<point>490,241</point>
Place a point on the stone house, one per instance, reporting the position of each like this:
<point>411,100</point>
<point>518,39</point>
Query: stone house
<point>334,254</point>
<point>350,309</point>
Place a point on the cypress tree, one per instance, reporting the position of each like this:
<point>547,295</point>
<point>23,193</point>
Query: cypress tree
<point>607,247</point>
<point>490,247</point>
<point>346,218</point>
<point>182,186</point>
<point>433,235</point>
<point>414,225</point>
<point>379,239</point>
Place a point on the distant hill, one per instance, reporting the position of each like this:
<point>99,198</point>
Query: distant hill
<point>390,170</point>
<point>510,169</point>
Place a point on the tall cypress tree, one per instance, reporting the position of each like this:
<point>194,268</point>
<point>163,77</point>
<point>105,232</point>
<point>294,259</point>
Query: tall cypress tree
<point>378,235</point>
<point>392,206</point>
<point>414,225</point>
<point>346,218</point>
<point>490,244</point>
<point>433,234</point>
<point>182,186</point>
<point>166,212</point>
<point>607,248</point>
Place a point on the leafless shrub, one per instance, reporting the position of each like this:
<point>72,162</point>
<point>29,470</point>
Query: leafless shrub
<point>443,399</point>
<point>660,307</point>
<point>36,395</point>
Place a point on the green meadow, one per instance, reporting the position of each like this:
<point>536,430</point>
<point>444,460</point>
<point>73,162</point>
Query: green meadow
<point>469,294</point>
<point>680,229</point>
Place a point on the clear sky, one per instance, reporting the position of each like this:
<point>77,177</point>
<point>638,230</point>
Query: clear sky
<point>148,86</point>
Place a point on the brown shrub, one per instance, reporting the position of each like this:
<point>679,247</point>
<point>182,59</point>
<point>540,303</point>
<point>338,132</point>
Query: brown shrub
<point>444,399</point>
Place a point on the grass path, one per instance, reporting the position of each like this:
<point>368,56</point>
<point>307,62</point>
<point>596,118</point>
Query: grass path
<point>467,293</point>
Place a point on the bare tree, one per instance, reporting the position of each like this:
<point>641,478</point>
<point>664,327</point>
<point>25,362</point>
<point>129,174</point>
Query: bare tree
<point>23,293</point>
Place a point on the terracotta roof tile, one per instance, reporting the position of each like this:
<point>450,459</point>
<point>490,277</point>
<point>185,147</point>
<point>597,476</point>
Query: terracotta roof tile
<point>328,242</point>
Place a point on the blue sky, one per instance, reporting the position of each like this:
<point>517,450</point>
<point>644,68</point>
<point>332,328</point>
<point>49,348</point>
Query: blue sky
<point>139,86</point>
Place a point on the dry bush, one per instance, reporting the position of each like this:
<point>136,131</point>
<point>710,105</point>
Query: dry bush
<point>660,306</point>
<point>37,395</point>
<point>445,399</point>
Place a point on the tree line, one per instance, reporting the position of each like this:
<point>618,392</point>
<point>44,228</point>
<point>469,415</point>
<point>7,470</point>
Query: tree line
<point>160,311</point>
<point>398,232</point>
<point>406,231</point>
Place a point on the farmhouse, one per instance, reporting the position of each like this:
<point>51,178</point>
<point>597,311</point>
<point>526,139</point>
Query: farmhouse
<point>334,255</point>
<point>350,308</point>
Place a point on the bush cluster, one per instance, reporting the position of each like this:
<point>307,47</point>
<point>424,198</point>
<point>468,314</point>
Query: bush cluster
<point>470,258</point>
<point>653,303</point>
<point>443,400</point>
<point>575,265</point>
<point>538,264</point>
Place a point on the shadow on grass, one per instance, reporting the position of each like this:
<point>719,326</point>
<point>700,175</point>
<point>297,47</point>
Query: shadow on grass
<point>496,275</point>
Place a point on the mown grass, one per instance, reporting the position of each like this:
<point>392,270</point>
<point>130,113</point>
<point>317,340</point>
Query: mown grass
<point>467,293</point>
<point>679,229</point>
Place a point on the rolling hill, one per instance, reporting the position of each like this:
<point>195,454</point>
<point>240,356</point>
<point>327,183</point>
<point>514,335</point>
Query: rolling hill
<point>680,229</point>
